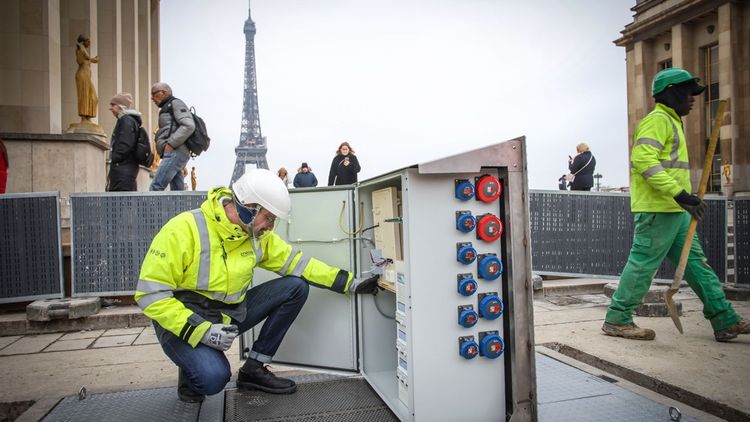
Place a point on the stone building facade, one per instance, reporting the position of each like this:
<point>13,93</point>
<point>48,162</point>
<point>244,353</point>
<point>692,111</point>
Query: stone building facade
<point>711,39</point>
<point>38,91</point>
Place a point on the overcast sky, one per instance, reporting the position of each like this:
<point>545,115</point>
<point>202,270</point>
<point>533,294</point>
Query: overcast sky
<point>405,81</point>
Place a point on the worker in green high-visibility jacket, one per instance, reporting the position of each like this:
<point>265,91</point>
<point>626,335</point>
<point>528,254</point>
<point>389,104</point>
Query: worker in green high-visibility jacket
<point>663,207</point>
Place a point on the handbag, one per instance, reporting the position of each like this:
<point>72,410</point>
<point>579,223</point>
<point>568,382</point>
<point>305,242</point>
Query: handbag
<point>572,176</point>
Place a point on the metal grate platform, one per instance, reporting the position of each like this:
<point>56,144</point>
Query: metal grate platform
<point>564,394</point>
<point>159,404</point>
<point>569,394</point>
<point>318,398</point>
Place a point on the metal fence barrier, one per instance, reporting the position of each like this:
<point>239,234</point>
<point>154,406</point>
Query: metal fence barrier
<point>742,239</point>
<point>590,234</point>
<point>573,234</point>
<point>111,232</point>
<point>30,247</point>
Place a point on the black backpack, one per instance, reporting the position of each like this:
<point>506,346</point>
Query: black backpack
<point>199,140</point>
<point>143,154</point>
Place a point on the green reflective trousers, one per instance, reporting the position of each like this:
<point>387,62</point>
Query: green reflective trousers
<point>659,235</point>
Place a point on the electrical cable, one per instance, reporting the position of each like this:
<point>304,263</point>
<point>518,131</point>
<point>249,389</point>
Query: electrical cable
<point>375,301</point>
<point>361,218</point>
<point>369,228</point>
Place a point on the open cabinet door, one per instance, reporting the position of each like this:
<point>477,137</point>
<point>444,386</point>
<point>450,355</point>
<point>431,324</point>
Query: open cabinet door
<point>324,333</point>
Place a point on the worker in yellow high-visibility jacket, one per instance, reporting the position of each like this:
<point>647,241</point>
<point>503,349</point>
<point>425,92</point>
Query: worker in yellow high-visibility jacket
<point>663,206</point>
<point>195,284</point>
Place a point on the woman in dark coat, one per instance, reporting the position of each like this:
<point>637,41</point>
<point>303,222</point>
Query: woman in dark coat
<point>582,167</point>
<point>344,167</point>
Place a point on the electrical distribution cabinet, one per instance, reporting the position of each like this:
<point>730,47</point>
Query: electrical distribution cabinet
<point>450,335</point>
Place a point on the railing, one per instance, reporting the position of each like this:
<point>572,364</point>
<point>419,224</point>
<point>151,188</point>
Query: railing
<point>742,239</point>
<point>572,234</point>
<point>590,234</point>
<point>110,234</point>
<point>30,247</point>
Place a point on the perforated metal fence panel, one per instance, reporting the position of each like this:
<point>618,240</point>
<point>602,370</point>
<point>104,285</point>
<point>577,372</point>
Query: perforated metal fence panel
<point>590,234</point>
<point>742,239</point>
<point>110,234</point>
<point>30,247</point>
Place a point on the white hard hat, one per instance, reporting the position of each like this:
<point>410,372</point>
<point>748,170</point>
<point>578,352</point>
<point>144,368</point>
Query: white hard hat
<point>263,187</point>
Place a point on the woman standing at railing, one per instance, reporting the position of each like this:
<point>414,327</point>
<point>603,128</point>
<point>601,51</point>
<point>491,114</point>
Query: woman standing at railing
<point>581,167</point>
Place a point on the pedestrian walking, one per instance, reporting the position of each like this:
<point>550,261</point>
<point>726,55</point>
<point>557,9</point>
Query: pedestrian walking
<point>123,164</point>
<point>663,206</point>
<point>176,124</point>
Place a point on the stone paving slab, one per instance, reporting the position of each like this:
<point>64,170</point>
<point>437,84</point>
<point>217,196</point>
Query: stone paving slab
<point>30,344</point>
<point>81,335</point>
<point>65,345</point>
<point>146,338</point>
<point>123,331</point>
<point>4,341</point>
<point>114,341</point>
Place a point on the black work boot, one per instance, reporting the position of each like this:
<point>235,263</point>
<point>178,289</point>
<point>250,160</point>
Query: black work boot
<point>185,392</point>
<point>255,376</point>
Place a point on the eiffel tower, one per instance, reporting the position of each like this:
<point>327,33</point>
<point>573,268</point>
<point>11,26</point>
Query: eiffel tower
<point>252,148</point>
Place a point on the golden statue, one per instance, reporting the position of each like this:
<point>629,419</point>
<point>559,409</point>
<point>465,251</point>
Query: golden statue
<point>193,178</point>
<point>87,99</point>
<point>88,102</point>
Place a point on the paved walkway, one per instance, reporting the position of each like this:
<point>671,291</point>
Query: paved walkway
<point>705,374</point>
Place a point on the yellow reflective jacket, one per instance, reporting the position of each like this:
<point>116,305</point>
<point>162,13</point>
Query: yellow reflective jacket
<point>201,251</point>
<point>659,167</point>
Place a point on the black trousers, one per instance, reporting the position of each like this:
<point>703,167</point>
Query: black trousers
<point>122,177</point>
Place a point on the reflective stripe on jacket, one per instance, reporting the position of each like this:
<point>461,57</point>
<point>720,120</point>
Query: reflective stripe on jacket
<point>659,167</point>
<point>203,252</point>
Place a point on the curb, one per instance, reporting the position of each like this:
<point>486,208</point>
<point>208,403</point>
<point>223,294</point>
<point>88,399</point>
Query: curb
<point>737,293</point>
<point>574,289</point>
<point>19,327</point>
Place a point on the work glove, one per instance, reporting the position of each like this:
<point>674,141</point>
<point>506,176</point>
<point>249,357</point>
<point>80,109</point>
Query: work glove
<point>368,286</point>
<point>692,204</point>
<point>220,336</point>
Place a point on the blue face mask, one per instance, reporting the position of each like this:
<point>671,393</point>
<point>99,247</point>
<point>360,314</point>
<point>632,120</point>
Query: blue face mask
<point>246,214</point>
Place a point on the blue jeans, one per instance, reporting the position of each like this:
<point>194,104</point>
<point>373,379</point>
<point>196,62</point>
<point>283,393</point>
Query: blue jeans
<point>170,171</point>
<point>207,369</point>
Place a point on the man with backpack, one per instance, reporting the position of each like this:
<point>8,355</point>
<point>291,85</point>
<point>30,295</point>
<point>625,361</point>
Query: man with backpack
<point>176,124</point>
<point>123,165</point>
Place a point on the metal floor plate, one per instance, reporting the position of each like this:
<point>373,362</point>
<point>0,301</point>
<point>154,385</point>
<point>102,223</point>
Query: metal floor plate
<point>569,394</point>
<point>159,404</point>
<point>318,398</point>
<point>565,394</point>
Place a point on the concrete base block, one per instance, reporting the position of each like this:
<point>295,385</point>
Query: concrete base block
<point>68,308</point>
<point>738,292</point>
<point>655,293</point>
<point>536,279</point>
<point>657,309</point>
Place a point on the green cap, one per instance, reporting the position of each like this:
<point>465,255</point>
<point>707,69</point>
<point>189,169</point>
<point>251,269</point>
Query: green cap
<point>673,76</point>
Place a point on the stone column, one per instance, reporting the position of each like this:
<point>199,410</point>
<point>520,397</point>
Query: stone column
<point>109,63</point>
<point>643,73</point>
<point>729,89</point>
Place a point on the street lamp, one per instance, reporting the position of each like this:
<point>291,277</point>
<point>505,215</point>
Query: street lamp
<point>598,177</point>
